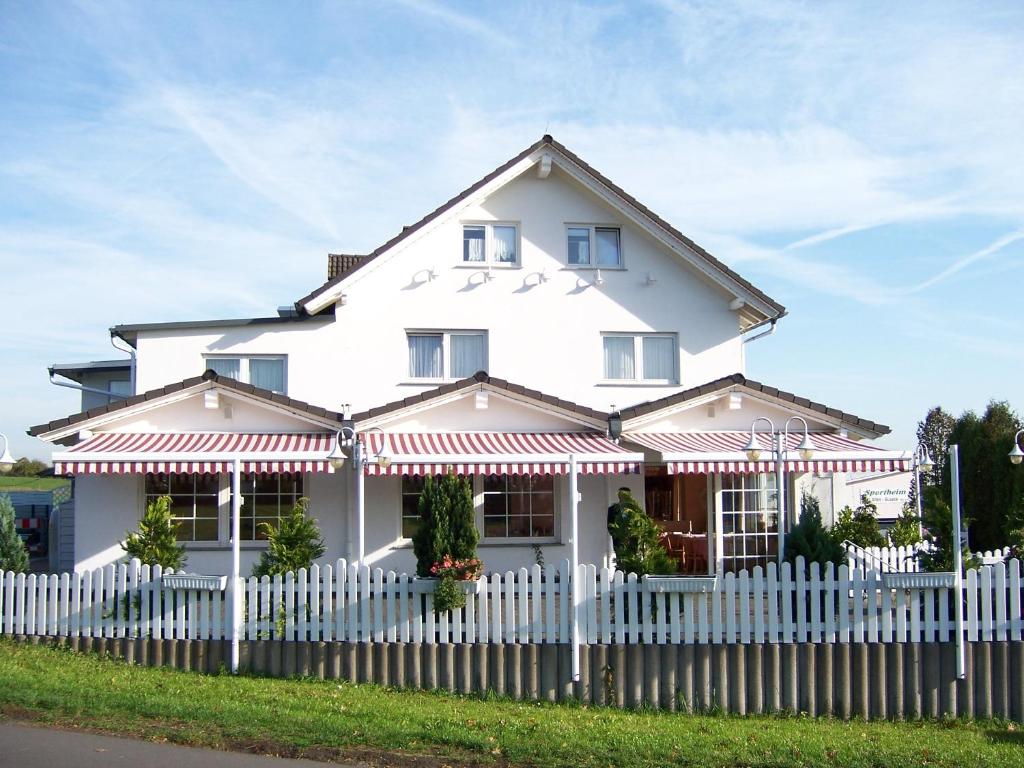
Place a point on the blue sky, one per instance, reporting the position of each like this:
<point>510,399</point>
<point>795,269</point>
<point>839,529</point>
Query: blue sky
<point>862,163</point>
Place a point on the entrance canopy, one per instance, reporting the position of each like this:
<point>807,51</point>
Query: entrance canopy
<point>499,453</point>
<point>118,453</point>
<point>711,452</point>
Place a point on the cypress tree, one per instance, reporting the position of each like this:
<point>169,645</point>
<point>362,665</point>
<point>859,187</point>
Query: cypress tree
<point>156,541</point>
<point>810,539</point>
<point>13,555</point>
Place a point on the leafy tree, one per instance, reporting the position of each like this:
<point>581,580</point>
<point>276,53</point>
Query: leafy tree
<point>938,519</point>
<point>933,433</point>
<point>906,531</point>
<point>637,539</point>
<point>448,528</point>
<point>859,526</point>
<point>13,555</point>
<point>992,489</point>
<point>26,467</point>
<point>294,543</point>
<point>156,541</point>
<point>810,539</point>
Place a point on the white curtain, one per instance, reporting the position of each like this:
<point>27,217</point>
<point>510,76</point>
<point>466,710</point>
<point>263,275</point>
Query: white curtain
<point>224,366</point>
<point>472,243</point>
<point>579,246</point>
<point>618,357</point>
<point>267,374</point>
<point>469,354</point>
<point>659,357</point>
<point>607,247</point>
<point>426,360</point>
<point>504,245</point>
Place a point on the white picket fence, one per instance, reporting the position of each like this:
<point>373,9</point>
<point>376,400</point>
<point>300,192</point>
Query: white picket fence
<point>532,605</point>
<point>905,559</point>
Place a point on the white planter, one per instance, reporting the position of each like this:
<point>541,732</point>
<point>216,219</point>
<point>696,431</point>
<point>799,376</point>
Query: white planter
<point>680,584</point>
<point>919,580</point>
<point>425,585</point>
<point>195,581</point>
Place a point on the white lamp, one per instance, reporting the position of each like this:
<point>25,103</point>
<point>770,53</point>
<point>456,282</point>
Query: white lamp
<point>753,449</point>
<point>806,448</point>
<point>6,459</point>
<point>1016,455</point>
<point>337,456</point>
<point>926,464</point>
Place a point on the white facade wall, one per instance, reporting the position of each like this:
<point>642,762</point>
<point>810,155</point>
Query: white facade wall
<point>545,335</point>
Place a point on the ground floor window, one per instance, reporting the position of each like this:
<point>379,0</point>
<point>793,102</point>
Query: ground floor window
<point>508,507</point>
<point>201,503</point>
<point>519,507</point>
<point>266,498</point>
<point>749,521</point>
<point>195,503</point>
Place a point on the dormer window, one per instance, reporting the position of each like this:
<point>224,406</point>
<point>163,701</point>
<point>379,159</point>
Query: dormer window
<point>594,246</point>
<point>490,244</point>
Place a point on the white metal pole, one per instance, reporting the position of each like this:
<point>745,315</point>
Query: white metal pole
<point>780,494</point>
<point>236,561</point>
<point>954,459</point>
<point>357,465</point>
<point>574,506</point>
<point>917,494</point>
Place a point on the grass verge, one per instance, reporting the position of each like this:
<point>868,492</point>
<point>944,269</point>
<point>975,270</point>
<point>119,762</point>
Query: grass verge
<point>332,720</point>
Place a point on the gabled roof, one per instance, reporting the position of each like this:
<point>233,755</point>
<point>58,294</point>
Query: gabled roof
<point>343,263</point>
<point>716,267</point>
<point>739,381</point>
<point>75,371</point>
<point>490,382</point>
<point>208,377</point>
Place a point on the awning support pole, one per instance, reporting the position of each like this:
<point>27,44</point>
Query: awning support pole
<point>958,563</point>
<point>780,494</point>
<point>357,466</point>
<point>574,507</point>
<point>236,562</point>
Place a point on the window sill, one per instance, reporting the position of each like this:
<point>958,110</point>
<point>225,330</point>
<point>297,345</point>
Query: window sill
<point>426,382</point>
<point>589,268</point>
<point>483,265</point>
<point>519,542</point>
<point>207,546</point>
<point>634,383</point>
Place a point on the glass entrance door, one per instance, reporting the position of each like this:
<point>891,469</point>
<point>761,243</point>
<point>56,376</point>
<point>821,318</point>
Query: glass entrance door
<point>748,521</point>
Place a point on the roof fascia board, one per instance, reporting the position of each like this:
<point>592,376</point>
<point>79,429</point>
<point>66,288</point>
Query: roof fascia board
<point>677,246</point>
<point>632,424</point>
<point>331,295</point>
<point>472,389</point>
<point>869,454</point>
<point>175,397</point>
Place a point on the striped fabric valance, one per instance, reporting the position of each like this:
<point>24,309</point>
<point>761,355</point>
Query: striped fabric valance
<point>499,453</point>
<point>118,453</point>
<point>712,452</point>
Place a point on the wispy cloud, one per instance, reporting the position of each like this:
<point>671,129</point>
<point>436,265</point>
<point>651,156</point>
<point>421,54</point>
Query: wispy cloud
<point>965,261</point>
<point>460,21</point>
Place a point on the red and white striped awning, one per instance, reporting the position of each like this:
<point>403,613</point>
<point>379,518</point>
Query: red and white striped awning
<point>119,453</point>
<point>710,452</point>
<point>499,453</point>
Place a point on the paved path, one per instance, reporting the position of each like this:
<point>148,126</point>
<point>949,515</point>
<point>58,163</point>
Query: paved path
<point>25,746</point>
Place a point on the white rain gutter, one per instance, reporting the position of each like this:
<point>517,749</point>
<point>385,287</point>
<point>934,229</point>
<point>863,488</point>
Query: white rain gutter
<point>131,358</point>
<point>762,334</point>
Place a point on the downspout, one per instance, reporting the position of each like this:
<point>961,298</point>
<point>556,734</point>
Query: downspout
<point>131,357</point>
<point>82,387</point>
<point>762,334</point>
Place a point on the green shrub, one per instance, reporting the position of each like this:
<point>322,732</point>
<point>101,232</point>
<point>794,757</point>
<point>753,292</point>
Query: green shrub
<point>449,525</point>
<point>156,541</point>
<point>295,543</point>
<point>811,540</point>
<point>938,519</point>
<point>906,531</point>
<point>637,539</point>
<point>859,526</point>
<point>13,555</point>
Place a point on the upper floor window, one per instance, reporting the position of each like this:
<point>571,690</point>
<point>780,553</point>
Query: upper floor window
<point>265,372</point>
<point>496,244</point>
<point>446,354</point>
<point>637,357</point>
<point>592,246</point>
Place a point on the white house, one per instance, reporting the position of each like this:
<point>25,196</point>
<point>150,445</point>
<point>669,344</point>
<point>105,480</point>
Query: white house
<point>619,343</point>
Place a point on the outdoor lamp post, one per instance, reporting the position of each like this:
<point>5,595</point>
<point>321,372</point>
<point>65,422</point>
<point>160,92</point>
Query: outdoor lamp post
<point>337,458</point>
<point>1016,454</point>
<point>922,462</point>
<point>6,459</point>
<point>780,447</point>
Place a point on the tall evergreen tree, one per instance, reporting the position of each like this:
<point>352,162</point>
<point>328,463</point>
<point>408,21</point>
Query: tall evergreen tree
<point>449,527</point>
<point>293,543</point>
<point>156,541</point>
<point>13,555</point>
<point>810,539</point>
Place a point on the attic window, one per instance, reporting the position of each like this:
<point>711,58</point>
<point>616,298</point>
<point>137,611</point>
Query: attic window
<point>490,244</point>
<point>263,372</point>
<point>593,246</point>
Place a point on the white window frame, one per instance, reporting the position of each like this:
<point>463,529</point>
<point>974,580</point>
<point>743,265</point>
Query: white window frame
<point>489,261</point>
<point>243,365</point>
<point>446,348</point>
<point>593,247</point>
<point>638,360</point>
<point>478,518</point>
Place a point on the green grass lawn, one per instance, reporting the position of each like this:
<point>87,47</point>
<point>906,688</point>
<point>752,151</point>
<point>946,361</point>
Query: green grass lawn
<point>8,483</point>
<point>325,719</point>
